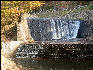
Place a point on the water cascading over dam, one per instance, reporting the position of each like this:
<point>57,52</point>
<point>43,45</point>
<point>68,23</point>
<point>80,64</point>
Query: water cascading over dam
<point>44,29</point>
<point>55,38</point>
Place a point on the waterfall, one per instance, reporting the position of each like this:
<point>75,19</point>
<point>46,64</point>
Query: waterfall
<point>74,29</point>
<point>45,29</point>
<point>62,29</point>
<point>53,29</point>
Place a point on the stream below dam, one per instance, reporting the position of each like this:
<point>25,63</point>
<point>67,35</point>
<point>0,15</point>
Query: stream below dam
<point>33,64</point>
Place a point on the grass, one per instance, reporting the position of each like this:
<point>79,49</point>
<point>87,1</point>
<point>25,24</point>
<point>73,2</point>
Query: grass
<point>63,13</point>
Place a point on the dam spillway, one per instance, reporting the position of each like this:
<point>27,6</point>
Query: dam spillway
<point>58,39</point>
<point>45,29</point>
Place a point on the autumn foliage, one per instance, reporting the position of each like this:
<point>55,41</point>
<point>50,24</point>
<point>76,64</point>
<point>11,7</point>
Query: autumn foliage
<point>11,10</point>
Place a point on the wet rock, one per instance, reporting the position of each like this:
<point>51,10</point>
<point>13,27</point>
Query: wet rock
<point>85,30</point>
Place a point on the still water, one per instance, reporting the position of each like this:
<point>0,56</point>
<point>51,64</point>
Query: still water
<point>46,64</point>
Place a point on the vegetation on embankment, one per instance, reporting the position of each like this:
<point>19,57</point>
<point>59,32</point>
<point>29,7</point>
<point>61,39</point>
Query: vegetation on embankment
<point>65,12</point>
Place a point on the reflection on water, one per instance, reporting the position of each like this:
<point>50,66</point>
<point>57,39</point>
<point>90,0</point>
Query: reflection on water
<point>30,64</point>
